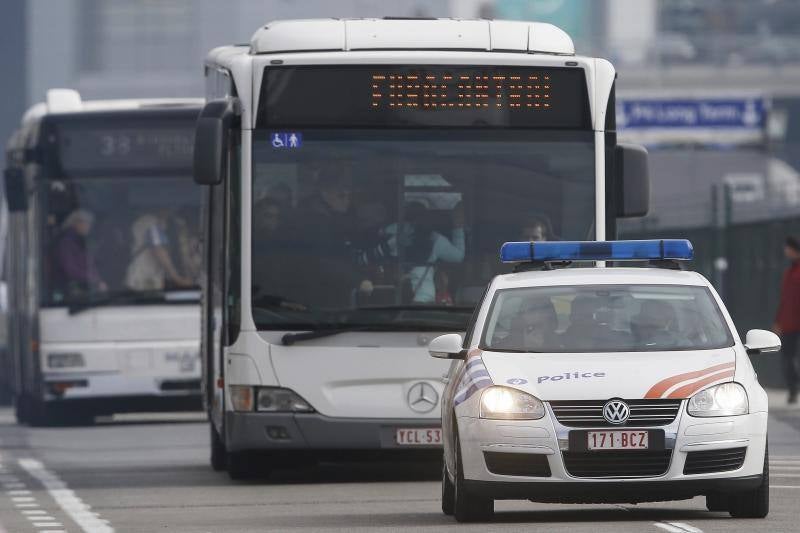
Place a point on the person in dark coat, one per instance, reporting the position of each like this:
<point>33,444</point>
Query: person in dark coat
<point>787,321</point>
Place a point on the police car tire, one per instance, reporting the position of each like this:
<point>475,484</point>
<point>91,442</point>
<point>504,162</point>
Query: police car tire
<point>717,502</point>
<point>753,503</point>
<point>218,453</point>
<point>448,491</point>
<point>468,507</point>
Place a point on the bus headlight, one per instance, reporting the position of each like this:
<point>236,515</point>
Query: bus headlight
<point>510,404</point>
<point>65,360</point>
<point>727,399</point>
<point>280,400</point>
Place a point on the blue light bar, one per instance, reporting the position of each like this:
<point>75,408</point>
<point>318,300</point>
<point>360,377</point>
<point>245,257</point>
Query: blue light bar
<point>674,249</point>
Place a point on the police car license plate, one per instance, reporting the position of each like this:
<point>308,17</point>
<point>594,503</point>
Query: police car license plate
<point>418,437</point>
<point>618,440</point>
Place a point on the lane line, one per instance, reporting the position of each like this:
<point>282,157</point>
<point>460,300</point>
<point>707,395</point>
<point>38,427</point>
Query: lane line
<point>784,486</point>
<point>785,475</point>
<point>686,527</point>
<point>66,498</point>
<point>668,527</point>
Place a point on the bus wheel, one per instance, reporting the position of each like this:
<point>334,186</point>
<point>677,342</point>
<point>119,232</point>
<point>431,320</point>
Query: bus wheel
<point>21,409</point>
<point>39,414</point>
<point>218,453</point>
<point>245,465</point>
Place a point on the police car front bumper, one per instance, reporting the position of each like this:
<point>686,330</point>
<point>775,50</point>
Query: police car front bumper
<point>547,443</point>
<point>313,431</point>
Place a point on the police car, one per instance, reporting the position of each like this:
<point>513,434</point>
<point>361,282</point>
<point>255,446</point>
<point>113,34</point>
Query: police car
<point>603,385</point>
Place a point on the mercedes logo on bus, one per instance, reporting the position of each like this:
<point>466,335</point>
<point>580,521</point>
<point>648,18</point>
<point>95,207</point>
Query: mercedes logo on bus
<point>616,412</point>
<point>422,397</point>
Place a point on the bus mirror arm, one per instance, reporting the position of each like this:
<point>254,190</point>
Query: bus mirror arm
<point>632,181</point>
<point>211,141</point>
<point>16,192</point>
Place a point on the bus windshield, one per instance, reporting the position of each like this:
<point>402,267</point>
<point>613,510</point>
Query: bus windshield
<point>400,228</point>
<point>120,240</point>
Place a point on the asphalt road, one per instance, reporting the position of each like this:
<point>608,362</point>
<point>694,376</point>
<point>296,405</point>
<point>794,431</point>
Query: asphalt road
<point>151,473</point>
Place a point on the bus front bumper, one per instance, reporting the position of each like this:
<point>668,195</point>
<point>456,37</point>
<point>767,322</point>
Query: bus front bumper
<point>313,431</point>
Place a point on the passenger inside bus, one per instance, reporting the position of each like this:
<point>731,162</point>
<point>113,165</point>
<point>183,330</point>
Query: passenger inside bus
<point>75,269</point>
<point>151,266</point>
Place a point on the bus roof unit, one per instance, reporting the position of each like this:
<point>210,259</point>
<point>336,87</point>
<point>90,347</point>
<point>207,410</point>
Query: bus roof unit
<point>315,35</point>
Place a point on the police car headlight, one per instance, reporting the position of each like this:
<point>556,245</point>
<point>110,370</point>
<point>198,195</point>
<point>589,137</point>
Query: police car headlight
<point>279,400</point>
<point>510,404</point>
<point>727,399</point>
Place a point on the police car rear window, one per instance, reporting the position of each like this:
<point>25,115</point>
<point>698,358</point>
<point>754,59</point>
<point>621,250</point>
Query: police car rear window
<point>605,318</point>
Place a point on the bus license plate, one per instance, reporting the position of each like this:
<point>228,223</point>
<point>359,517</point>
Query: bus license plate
<point>418,437</point>
<point>618,440</point>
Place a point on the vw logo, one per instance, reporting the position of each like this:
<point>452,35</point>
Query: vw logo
<point>422,397</point>
<point>616,412</point>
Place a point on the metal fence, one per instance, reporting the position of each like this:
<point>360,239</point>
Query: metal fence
<point>745,263</point>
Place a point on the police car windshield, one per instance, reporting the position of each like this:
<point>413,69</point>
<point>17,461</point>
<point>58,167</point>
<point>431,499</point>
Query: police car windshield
<point>605,318</point>
<point>396,227</point>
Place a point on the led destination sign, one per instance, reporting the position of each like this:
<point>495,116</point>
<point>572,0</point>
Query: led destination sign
<point>408,96</point>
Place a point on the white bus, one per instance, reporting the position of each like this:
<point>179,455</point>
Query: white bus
<point>104,259</point>
<point>363,174</point>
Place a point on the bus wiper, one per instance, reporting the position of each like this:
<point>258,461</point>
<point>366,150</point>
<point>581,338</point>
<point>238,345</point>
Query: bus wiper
<point>110,298</point>
<point>290,338</point>
<point>417,307</point>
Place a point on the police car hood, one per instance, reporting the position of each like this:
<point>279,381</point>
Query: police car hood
<point>596,376</point>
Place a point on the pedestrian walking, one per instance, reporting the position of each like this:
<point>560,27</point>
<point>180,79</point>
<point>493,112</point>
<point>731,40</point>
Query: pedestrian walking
<point>787,321</point>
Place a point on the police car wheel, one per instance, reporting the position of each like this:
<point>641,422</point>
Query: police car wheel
<point>448,491</point>
<point>753,503</point>
<point>218,453</point>
<point>717,503</point>
<point>468,506</point>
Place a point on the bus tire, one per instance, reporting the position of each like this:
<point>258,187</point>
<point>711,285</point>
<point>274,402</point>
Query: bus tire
<point>244,466</point>
<point>21,409</point>
<point>39,414</point>
<point>218,453</point>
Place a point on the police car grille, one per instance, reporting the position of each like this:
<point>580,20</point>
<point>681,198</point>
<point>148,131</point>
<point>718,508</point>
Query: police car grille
<point>714,461</point>
<point>631,463</point>
<point>589,413</point>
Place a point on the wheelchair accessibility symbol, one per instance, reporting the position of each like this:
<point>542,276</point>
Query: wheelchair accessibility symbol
<point>286,140</point>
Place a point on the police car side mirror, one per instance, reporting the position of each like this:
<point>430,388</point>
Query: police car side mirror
<point>447,347</point>
<point>760,341</point>
<point>632,180</point>
<point>16,193</point>
<point>211,137</point>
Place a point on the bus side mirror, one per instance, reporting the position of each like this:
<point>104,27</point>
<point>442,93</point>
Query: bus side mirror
<point>16,192</point>
<point>211,141</point>
<point>633,181</point>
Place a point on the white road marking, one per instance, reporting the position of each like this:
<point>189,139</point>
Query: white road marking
<point>784,486</point>
<point>668,527</point>
<point>677,527</point>
<point>38,511</point>
<point>18,492</point>
<point>771,474</point>
<point>20,505</point>
<point>66,498</point>
<point>40,518</point>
